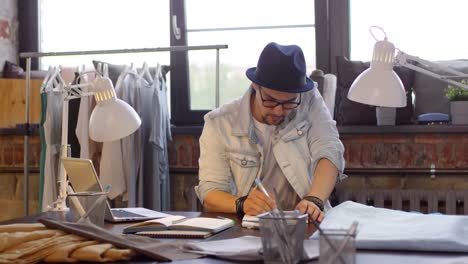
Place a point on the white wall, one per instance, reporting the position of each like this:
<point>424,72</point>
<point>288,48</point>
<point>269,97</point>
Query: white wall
<point>8,31</point>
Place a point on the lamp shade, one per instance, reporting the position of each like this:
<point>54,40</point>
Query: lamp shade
<point>379,85</point>
<point>112,118</point>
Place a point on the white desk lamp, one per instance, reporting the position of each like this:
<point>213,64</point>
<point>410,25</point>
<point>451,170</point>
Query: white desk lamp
<point>110,120</point>
<point>380,85</point>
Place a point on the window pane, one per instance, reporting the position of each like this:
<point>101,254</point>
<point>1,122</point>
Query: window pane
<point>429,29</point>
<point>244,45</point>
<point>247,13</point>
<point>79,25</point>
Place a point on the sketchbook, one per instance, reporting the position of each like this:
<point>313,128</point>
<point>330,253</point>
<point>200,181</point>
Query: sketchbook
<point>180,227</point>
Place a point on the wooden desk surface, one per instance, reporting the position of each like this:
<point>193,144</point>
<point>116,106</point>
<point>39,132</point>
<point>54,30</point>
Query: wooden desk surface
<point>362,256</point>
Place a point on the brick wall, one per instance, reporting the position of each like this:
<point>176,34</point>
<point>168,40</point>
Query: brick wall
<point>406,150</point>
<point>12,176</point>
<point>373,161</point>
<point>364,152</point>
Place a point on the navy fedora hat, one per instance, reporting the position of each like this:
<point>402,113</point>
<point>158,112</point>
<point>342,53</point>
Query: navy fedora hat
<point>281,68</point>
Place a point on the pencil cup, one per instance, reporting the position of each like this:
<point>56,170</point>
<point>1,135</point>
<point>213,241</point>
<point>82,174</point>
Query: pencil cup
<point>337,247</point>
<point>282,237</point>
<point>87,207</point>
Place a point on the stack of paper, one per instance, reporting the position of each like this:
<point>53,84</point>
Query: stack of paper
<point>381,228</point>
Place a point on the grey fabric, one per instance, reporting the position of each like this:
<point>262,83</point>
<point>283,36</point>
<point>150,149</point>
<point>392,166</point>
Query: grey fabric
<point>430,92</point>
<point>150,247</point>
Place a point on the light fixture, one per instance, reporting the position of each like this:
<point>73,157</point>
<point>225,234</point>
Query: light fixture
<point>111,119</point>
<point>380,85</point>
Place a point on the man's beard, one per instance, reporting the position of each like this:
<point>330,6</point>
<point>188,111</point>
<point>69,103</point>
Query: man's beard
<point>270,119</point>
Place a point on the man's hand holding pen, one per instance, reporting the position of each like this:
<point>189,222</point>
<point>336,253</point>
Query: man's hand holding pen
<point>258,202</point>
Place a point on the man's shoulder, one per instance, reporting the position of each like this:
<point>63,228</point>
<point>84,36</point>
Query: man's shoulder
<point>227,110</point>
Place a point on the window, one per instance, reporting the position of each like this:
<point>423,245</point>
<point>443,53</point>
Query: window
<point>246,27</point>
<point>103,25</point>
<point>432,30</point>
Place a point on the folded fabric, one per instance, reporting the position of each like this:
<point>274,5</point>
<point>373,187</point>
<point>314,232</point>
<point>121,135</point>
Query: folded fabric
<point>387,229</point>
<point>152,248</point>
<point>244,248</point>
<point>32,243</point>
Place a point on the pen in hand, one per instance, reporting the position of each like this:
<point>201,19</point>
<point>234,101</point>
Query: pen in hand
<point>260,186</point>
<point>264,191</point>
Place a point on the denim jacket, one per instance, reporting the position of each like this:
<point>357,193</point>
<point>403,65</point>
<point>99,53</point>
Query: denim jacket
<point>231,156</point>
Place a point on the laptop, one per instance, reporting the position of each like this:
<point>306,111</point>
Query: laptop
<point>83,178</point>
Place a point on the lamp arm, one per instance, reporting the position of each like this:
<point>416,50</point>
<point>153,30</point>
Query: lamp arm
<point>403,59</point>
<point>60,204</point>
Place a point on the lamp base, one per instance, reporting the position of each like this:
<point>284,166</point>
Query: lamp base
<point>59,205</point>
<point>386,116</point>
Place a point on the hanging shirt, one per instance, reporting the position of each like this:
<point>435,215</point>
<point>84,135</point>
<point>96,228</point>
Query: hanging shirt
<point>160,135</point>
<point>127,90</point>
<point>87,103</point>
<point>272,176</point>
<point>114,167</point>
<point>52,133</point>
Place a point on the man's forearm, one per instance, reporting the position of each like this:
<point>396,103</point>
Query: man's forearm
<point>324,179</point>
<point>219,201</point>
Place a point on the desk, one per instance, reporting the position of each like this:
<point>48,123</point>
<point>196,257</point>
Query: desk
<point>362,256</point>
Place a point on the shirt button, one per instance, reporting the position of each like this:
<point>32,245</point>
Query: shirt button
<point>244,162</point>
<point>299,132</point>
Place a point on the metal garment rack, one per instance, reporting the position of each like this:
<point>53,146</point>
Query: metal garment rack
<point>29,55</point>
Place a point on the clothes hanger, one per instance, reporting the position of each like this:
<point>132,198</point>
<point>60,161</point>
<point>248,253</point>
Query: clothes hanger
<point>52,80</point>
<point>59,83</point>
<point>46,79</point>
<point>145,73</point>
<point>127,69</point>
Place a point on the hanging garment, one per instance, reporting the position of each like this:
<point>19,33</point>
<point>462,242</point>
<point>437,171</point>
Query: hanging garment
<point>52,132</point>
<point>127,91</point>
<point>156,184</point>
<point>42,135</point>
<point>73,111</point>
<point>117,165</point>
<point>160,135</point>
<point>88,147</point>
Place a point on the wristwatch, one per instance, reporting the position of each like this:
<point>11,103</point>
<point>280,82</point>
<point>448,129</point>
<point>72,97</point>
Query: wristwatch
<point>240,206</point>
<point>317,201</point>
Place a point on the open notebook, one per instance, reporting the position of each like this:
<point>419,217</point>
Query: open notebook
<point>180,227</point>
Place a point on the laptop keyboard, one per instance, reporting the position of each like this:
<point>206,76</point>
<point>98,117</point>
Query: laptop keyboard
<point>125,214</point>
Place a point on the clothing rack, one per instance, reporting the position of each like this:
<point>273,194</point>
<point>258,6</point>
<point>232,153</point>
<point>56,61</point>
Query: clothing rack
<point>29,55</point>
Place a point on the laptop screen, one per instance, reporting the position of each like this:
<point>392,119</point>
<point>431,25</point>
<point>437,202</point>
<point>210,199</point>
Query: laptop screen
<point>82,175</point>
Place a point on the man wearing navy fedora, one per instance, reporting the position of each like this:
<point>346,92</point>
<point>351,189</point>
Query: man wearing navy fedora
<point>281,132</point>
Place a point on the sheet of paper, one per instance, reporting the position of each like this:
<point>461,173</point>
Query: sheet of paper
<point>166,221</point>
<point>205,223</point>
<point>243,248</point>
<point>146,212</point>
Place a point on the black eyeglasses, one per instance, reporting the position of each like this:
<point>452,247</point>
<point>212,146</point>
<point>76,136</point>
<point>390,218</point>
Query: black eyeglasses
<point>271,103</point>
